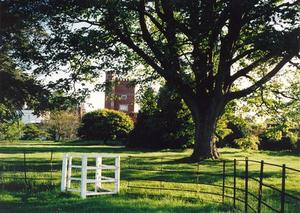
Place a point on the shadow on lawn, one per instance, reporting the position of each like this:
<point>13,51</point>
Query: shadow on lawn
<point>117,149</point>
<point>124,202</point>
<point>282,153</point>
<point>68,147</point>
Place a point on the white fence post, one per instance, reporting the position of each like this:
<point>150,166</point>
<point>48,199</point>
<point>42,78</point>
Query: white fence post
<point>69,172</point>
<point>98,184</point>
<point>64,173</point>
<point>117,174</point>
<point>83,176</point>
<point>100,177</point>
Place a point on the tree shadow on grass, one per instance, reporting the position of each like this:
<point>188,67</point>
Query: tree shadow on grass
<point>106,149</point>
<point>281,153</point>
<point>69,148</point>
<point>124,202</point>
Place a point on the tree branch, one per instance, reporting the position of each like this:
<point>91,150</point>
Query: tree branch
<point>146,34</point>
<point>259,83</point>
<point>246,70</point>
<point>228,42</point>
<point>176,24</point>
<point>242,55</point>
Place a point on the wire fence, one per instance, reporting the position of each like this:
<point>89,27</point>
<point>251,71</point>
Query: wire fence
<point>233,183</point>
<point>247,185</point>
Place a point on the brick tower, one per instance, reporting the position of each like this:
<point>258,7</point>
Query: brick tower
<point>120,96</point>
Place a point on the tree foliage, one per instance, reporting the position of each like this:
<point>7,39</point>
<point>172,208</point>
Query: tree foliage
<point>211,52</point>
<point>16,86</point>
<point>11,130</point>
<point>18,89</point>
<point>34,132</point>
<point>105,125</point>
<point>63,125</point>
<point>164,121</point>
<point>22,33</point>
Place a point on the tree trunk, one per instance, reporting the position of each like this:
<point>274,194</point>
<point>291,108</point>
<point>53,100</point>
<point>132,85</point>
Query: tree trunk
<point>205,119</point>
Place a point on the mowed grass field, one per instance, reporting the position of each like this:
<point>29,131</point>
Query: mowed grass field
<point>187,182</point>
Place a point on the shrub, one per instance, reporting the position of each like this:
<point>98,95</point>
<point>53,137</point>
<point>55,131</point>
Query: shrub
<point>298,147</point>
<point>248,142</point>
<point>33,131</point>
<point>233,128</point>
<point>277,140</point>
<point>105,125</point>
<point>62,125</point>
<point>164,123</point>
<point>11,130</point>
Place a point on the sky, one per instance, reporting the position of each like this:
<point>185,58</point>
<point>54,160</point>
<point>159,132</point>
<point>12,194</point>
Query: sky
<point>95,101</point>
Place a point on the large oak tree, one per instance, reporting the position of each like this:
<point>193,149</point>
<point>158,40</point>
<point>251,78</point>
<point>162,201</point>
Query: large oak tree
<point>210,51</point>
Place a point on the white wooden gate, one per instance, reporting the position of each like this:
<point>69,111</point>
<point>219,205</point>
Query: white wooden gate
<point>66,175</point>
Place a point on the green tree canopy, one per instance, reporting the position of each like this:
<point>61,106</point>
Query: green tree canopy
<point>22,33</point>
<point>164,121</point>
<point>204,49</point>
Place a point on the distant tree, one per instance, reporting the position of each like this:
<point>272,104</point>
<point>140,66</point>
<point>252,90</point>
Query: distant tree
<point>33,132</point>
<point>277,104</point>
<point>235,129</point>
<point>11,130</point>
<point>148,101</point>
<point>164,121</point>
<point>63,125</point>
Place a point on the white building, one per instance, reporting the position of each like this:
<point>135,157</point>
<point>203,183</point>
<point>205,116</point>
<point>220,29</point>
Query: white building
<point>28,117</point>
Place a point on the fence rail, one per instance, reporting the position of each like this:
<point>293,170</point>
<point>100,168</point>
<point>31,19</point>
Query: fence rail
<point>224,175</point>
<point>233,181</point>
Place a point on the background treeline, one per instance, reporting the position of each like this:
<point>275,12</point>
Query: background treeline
<point>164,121</point>
<point>56,125</point>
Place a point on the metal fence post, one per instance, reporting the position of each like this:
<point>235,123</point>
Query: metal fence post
<point>246,185</point>
<point>25,169</point>
<point>283,188</point>
<point>198,170</point>
<point>261,175</point>
<point>161,174</point>
<point>2,174</point>
<point>129,168</point>
<point>234,183</point>
<point>51,168</point>
<point>223,184</point>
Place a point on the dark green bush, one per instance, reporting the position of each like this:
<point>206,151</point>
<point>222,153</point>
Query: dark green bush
<point>164,121</point>
<point>33,131</point>
<point>237,128</point>
<point>248,142</point>
<point>11,130</point>
<point>105,125</point>
<point>278,140</point>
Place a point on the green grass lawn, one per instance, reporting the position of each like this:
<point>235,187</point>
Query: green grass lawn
<point>177,173</point>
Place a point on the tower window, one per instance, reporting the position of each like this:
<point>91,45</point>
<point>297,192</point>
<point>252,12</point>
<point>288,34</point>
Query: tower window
<point>123,107</point>
<point>123,97</point>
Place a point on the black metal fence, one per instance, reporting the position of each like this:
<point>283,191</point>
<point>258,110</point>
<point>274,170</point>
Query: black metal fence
<point>22,173</point>
<point>229,177</point>
<point>237,183</point>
